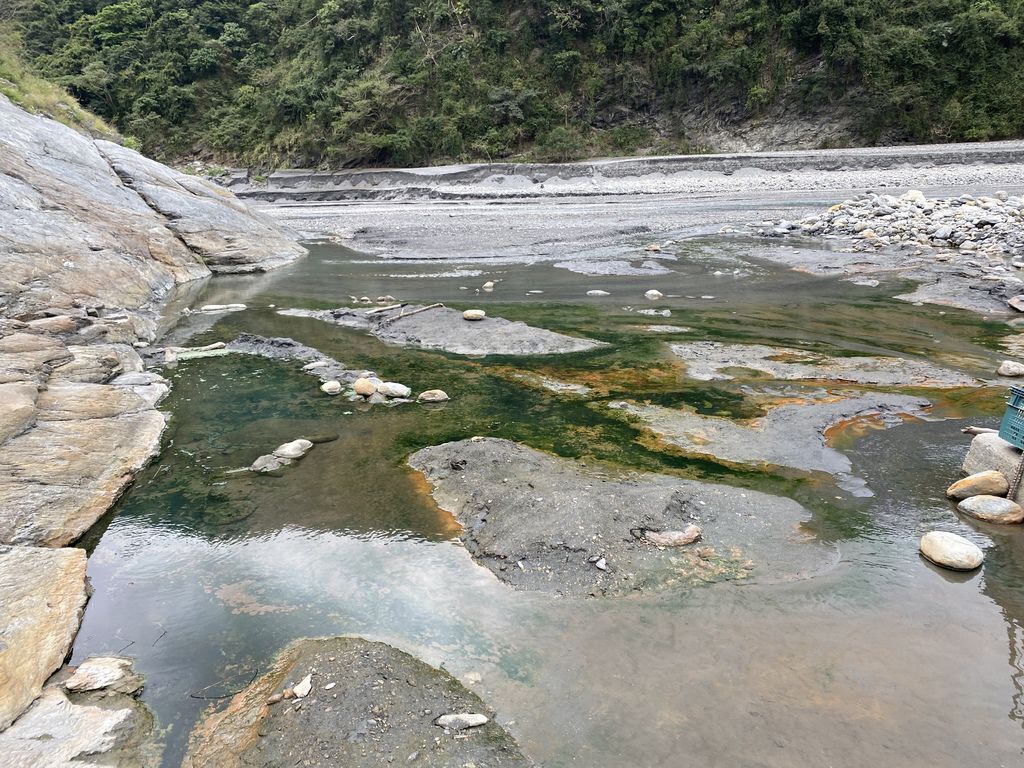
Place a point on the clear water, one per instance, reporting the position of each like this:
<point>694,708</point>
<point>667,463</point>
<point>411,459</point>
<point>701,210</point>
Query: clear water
<point>202,575</point>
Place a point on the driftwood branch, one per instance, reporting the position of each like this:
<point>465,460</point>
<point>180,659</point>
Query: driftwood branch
<point>382,310</point>
<point>978,431</point>
<point>410,314</point>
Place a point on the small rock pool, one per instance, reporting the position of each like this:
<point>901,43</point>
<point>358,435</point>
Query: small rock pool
<point>202,575</point>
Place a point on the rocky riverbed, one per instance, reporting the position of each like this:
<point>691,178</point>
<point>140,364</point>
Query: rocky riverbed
<point>669,520</point>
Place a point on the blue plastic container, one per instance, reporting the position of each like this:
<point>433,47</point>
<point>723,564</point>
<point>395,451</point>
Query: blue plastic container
<point>1011,428</point>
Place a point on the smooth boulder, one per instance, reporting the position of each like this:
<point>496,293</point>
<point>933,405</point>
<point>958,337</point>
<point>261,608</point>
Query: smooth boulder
<point>364,387</point>
<point>331,387</point>
<point>992,509</point>
<point>296,449</point>
<point>951,551</point>
<point>653,295</point>
<point>394,390</point>
<point>988,483</point>
<point>433,396</point>
<point>1011,368</point>
<point>474,314</point>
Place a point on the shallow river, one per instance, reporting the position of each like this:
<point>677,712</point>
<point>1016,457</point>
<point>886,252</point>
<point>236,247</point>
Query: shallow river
<point>202,575</point>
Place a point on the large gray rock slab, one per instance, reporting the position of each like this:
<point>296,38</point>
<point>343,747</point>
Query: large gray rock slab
<point>210,220</point>
<point>715,361</point>
<point>989,451</point>
<point>540,522</point>
<point>786,436</point>
<point>42,595</point>
<point>87,443</point>
<point>357,721</point>
<point>446,329</point>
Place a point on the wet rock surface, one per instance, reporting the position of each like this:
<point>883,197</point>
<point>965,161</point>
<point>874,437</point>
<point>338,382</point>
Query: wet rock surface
<point>787,436</point>
<point>539,522</point>
<point>711,361</point>
<point>368,704</point>
<point>989,483</point>
<point>445,329</point>
<point>951,551</point>
<point>989,452</point>
<point>100,724</point>
<point>42,595</point>
<point>992,509</point>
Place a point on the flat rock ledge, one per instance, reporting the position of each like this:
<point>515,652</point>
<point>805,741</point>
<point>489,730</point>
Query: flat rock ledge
<point>791,436</point>
<point>715,361</point>
<point>97,721</point>
<point>42,596</point>
<point>445,329</point>
<point>368,704</point>
<point>544,523</point>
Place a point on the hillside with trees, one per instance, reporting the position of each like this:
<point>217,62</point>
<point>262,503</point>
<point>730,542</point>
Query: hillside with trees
<point>408,82</point>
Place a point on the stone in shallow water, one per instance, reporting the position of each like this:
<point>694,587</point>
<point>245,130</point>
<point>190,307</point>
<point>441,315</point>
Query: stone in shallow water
<point>364,387</point>
<point>987,483</point>
<point>394,390</point>
<point>433,396</point>
<point>331,387</point>
<point>296,449</point>
<point>951,551</point>
<point>42,594</point>
<point>653,295</point>
<point>111,672</point>
<point>992,509</point>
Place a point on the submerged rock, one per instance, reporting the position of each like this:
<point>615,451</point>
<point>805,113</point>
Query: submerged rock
<point>951,551</point>
<point>350,716</point>
<point>989,483</point>
<point>42,596</point>
<point>296,449</point>
<point>791,435</point>
<point>539,522</point>
<point>715,361</point>
<point>445,329</point>
<point>432,396</point>
<point>992,509</point>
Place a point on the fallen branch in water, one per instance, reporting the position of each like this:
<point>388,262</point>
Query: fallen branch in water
<point>410,314</point>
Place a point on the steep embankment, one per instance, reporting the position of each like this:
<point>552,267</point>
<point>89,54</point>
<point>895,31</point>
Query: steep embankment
<point>93,240</point>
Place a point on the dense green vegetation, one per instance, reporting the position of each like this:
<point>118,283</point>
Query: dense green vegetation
<point>419,81</point>
<point>33,93</point>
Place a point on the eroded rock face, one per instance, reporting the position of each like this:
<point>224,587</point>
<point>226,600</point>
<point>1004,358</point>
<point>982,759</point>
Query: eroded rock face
<point>444,328</point>
<point>356,721</point>
<point>543,523</point>
<point>209,219</point>
<point>42,595</point>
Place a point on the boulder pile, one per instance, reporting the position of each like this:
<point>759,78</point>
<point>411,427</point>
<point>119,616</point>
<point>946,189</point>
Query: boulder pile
<point>991,227</point>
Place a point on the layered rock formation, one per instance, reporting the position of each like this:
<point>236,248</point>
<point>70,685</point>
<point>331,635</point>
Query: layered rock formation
<point>94,241</point>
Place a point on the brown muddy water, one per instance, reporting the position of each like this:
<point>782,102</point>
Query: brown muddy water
<point>882,660</point>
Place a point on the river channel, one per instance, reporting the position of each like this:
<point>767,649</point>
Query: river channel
<point>202,575</point>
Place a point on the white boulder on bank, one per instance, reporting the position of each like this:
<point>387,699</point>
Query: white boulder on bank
<point>474,314</point>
